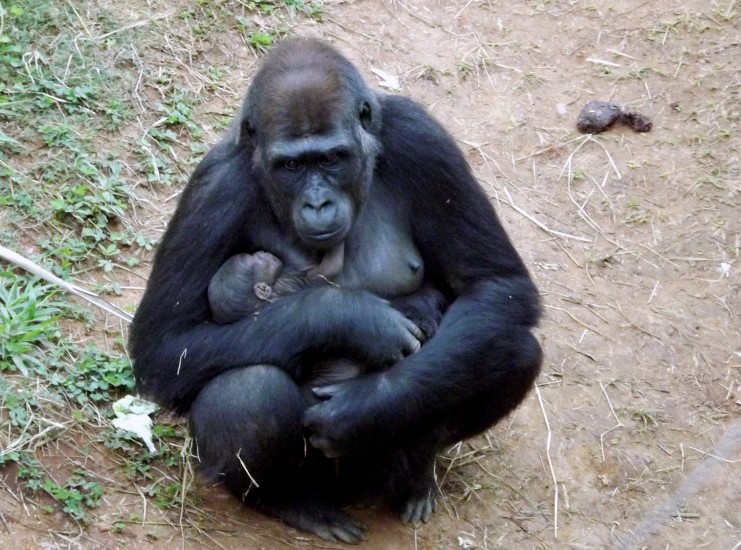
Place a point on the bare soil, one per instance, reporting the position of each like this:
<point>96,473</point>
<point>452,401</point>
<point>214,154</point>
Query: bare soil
<point>632,438</point>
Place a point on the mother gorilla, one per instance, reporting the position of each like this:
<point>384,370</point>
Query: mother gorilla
<point>317,160</point>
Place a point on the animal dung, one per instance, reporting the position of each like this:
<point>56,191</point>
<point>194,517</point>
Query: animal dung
<point>598,116</point>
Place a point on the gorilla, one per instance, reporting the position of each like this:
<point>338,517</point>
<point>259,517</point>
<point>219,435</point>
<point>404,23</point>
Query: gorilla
<point>317,160</point>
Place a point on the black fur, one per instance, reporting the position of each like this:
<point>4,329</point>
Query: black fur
<point>274,184</point>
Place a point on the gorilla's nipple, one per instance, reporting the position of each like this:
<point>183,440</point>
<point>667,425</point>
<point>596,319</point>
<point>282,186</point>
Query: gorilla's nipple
<point>415,265</point>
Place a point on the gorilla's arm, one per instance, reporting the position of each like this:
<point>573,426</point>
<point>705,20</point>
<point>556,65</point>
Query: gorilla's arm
<point>175,344</point>
<point>483,358</point>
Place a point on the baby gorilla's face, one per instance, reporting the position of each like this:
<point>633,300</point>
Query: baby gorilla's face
<point>264,266</point>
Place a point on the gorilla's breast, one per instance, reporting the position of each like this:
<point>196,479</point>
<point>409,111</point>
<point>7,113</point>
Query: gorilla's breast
<point>380,255</point>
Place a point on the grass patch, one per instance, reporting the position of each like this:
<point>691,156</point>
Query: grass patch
<point>60,99</point>
<point>91,135</point>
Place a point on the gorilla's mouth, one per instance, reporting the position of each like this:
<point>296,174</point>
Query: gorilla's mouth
<point>326,239</point>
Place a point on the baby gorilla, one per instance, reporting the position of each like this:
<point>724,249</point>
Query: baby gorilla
<point>244,281</point>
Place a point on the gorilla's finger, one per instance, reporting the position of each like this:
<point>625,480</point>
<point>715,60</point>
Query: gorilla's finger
<point>324,445</point>
<point>325,392</point>
<point>414,329</point>
<point>350,533</point>
<point>411,345</point>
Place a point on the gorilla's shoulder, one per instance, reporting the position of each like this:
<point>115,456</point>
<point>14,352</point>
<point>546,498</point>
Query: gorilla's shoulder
<point>406,125</point>
<point>399,110</point>
<point>225,165</point>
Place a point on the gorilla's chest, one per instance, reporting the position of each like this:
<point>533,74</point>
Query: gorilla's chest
<point>380,255</point>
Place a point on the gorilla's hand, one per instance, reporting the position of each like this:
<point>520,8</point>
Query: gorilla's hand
<point>378,335</point>
<point>346,423</point>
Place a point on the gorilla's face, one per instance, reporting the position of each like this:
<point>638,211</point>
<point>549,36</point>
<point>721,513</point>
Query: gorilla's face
<point>317,181</point>
<point>315,149</point>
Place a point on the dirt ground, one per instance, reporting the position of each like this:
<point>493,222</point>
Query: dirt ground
<point>632,438</point>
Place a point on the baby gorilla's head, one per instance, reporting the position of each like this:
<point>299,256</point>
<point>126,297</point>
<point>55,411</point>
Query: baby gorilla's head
<point>263,267</point>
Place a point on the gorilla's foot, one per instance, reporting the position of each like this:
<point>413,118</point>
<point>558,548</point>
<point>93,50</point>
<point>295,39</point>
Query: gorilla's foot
<point>419,508</point>
<point>418,502</point>
<point>314,515</point>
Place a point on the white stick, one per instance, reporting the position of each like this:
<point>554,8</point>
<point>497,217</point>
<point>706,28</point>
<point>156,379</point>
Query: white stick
<point>78,291</point>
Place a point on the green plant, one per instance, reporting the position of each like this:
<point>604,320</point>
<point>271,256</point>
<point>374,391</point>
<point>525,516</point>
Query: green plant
<point>166,493</point>
<point>16,402</point>
<point>178,111</point>
<point>53,92</point>
<point>138,461</point>
<point>29,311</point>
<point>93,376</point>
<point>76,495</point>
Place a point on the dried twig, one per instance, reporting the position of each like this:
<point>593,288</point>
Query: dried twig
<point>550,463</point>
<point>615,427</point>
<point>542,225</point>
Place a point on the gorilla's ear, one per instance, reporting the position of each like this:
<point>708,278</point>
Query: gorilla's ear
<point>245,132</point>
<point>366,116</point>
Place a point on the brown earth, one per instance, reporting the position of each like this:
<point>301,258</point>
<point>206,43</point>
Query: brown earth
<point>633,439</point>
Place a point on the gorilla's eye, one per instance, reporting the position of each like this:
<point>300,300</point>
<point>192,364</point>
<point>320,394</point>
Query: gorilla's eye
<point>291,165</point>
<point>331,158</point>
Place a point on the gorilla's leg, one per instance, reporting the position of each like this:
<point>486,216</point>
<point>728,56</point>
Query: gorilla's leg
<point>247,426</point>
<point>403,473</point>
<point>414,495</point>
<point>401,476</point>
<point>518,363</point>
<point>246,423</point>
